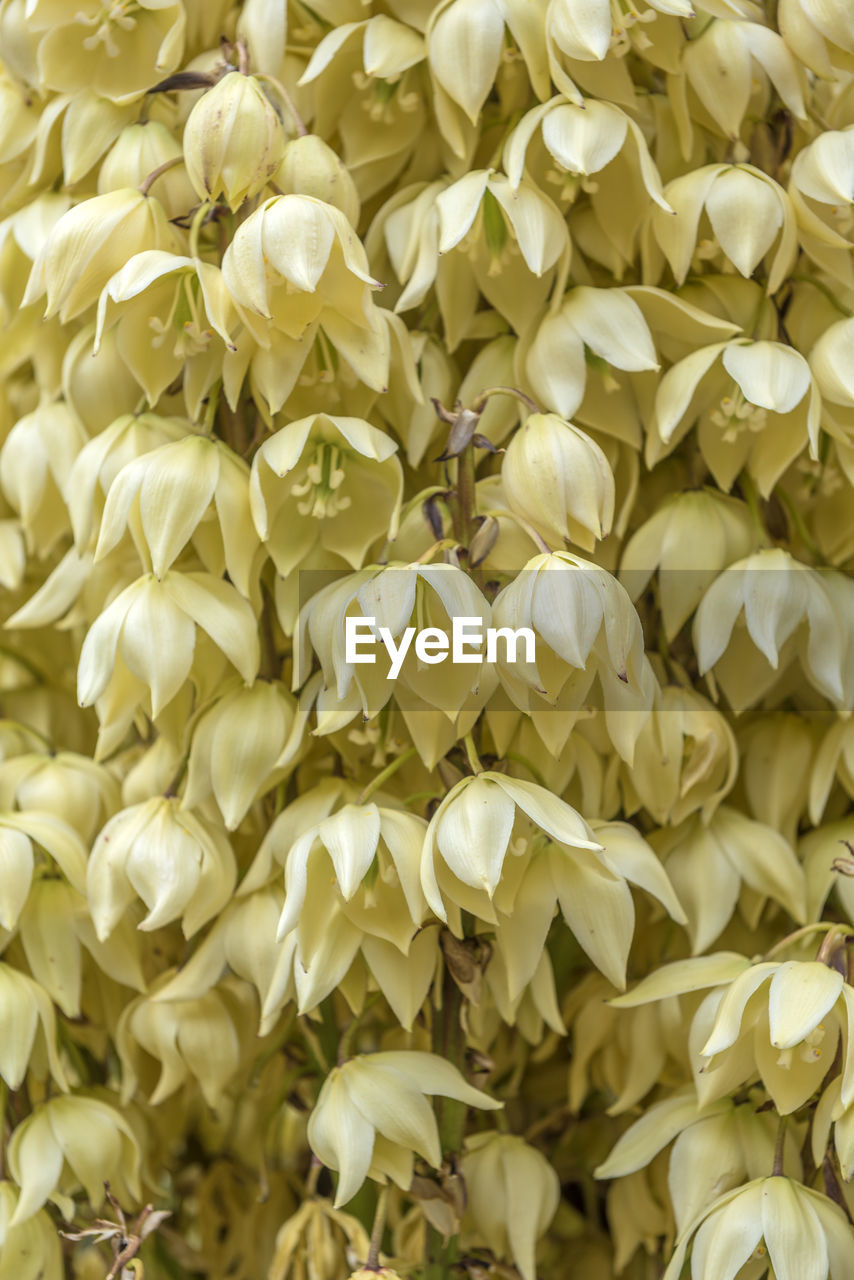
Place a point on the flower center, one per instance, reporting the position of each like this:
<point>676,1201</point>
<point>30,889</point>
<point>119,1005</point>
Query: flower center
<point>118,14</point>
<point>319,487</point>
<point>736,415</point>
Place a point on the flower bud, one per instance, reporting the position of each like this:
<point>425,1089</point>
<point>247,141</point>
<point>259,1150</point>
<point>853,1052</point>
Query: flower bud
<point>558,479</point>
<point>233,140</point>
<point>136,153</point>
<point>310,167</point>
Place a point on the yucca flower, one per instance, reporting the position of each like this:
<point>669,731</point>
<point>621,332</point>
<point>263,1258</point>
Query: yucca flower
<point>372,1116</point>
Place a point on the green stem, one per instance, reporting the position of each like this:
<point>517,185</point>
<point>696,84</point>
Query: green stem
<point>823,926</point>
<point>471,754</point>
<point>751,496</point>
<point>798,524</point>
<point>373,1262</point>
<point>384,775</point>
<point>504,391</point>
<point>779,1148</point>
<point>196,227</point>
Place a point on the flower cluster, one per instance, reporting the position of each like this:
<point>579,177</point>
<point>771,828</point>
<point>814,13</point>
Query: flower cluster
<point>533,961</point>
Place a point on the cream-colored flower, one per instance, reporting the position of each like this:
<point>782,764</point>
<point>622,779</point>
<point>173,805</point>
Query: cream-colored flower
<point>559,481</point>
<point>90,243</point>
<point>69,1141</point>
<point>608,323</point>
<point>332,482</point>
<point>689,539</point>
<point>773,604</point>
<point>512,1196</point>
<point>233,140</point>
<point>372,1116</point>
<point>750,216</point>
<point>179,865</point>
<point>758,407</point>
<point>797,1231</point>
<point>118,659</point>
<point>298,265</point>
<point>196,487</point>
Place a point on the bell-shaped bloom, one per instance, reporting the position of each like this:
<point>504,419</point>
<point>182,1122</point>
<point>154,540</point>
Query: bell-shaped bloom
<point>375,856</point>
<point>729,850</point>
<point>558,480</point>
<point>510,852</point>
<point>116,52</point>
<point>56,929</point>
<point>167,493</point>
<point>233,140</point>
<point>91,242</point>
<point>819,35</point>
<point>378,132</point>
<point>689,540</point>
<point>510,244</point>
<point>140,149</point>
<point>468,840</point>
<point>758,408</point>
<point>782,1021</point>
<point>25,1010</point>
<point>298,265</point>
<point>833,369</point>
<point>821,189</point>
<point>19,831</point>
<point>721,66</point>
<point>607,322</point>
<point>310,167</point>
<point>685,759</point>
<point>179,865</point>
<point>332,482</point>
<point>583,139</point>
<point>173,315</point>
<point>68,1141</point>
<point>102,458</point>
<point>585,628</point>
<point>796,1230</point>
<point>241,746</point>
<point>586,33</point>
<point>36,459</point>
<point>70,786</point>
<point>372,1116</point>
<point>191,1039</point>
<point>30,1250</point>
<point>749,214</point>
<point>465,44</point>
<point>483,204</point>
<point>149,632</point>
<point>401,599</point>
<point>772,603</point>
<point>512,1196</point>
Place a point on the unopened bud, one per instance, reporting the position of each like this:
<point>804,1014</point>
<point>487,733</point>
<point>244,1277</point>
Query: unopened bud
<point>311,168</point>
<point>233,141</point>
<point>558,479</point>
